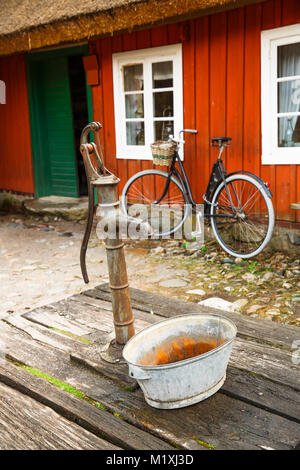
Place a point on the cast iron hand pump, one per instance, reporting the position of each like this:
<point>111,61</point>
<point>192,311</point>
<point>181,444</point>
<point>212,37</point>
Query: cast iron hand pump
<point>106,184</point>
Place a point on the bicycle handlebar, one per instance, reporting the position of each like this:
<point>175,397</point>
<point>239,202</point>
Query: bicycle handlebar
<point>180,141</point>
<point>192,131</point>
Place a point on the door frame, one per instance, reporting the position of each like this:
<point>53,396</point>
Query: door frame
<point>38,139</point>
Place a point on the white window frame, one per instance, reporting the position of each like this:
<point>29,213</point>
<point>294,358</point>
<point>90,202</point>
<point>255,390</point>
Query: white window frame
<point>146,57</point>
<point>270,40</point>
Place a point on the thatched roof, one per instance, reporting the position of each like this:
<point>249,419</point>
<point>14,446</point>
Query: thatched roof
<point>33,24</point>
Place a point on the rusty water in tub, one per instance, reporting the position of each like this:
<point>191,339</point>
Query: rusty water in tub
<point>177,350</point>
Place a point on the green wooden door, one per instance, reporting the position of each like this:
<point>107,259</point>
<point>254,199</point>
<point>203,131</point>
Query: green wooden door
<point>59,127</point>
<point>54,157</point>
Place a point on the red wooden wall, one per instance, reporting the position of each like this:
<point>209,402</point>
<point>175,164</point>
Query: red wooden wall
<point>15,143</point>
<point>221,76</point>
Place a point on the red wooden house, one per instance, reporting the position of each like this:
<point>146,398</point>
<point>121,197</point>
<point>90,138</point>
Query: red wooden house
<point>225,67</point>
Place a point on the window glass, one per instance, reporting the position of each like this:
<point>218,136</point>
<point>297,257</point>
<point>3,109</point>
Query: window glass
<point>288,94</point>
<point>133,77</point>
<point>135,134</point>
<point>288,60</point>
<point>162,74</point>
<point>163,104</point>
<point>134,105</point>
<point>162,129</point>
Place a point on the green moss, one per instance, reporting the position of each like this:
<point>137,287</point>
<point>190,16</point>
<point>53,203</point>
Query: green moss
<point>204,444</point>
<point>99,405</point>
<point>71,335</point>
<point>62,385</point>
<point>127,388</point>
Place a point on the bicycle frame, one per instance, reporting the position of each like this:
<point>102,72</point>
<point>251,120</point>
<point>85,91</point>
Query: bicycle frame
<point>217,175</point>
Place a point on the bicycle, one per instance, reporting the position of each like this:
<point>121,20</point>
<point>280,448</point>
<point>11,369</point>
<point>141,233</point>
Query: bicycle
<point>238,204</point>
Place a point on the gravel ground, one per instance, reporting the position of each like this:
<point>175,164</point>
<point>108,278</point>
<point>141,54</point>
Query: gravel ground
<point>40,264</point>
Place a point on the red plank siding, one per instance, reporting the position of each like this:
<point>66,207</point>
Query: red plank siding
<point>202,111</point>
<point>235,88</point>
<point>221,72</point>
<point>15,157</point>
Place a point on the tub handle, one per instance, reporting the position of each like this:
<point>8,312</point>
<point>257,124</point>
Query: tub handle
<point>139,374</point>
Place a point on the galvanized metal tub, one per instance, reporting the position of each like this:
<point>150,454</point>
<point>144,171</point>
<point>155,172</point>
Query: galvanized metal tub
<point>188,381</point>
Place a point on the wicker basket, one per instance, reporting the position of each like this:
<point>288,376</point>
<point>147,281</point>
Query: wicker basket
<point>163,152</point>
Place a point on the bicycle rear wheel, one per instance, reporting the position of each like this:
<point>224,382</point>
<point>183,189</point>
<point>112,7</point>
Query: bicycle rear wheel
<point>150,196</point>
<point>242,216</point>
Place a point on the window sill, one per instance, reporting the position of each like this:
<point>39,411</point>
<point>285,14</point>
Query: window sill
<point>282,158</point>
<point>124,156</point>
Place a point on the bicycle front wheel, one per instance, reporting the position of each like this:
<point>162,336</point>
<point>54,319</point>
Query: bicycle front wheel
<point>153,197</point>
<point>242,216</point>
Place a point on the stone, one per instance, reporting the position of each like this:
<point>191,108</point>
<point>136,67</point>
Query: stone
<point>229,275</point>
<point>268,276</point>
<point>170,283</point>
<point>68,208</point>
<point>65,234</point>
<point>14,225</point>
<point>158,250</point>
<point>273,312</point>
<point>227,261</point>
<point>240,303</point>
<point>196,292</point>
<point>286,285</point>
<point>238,260</point>
<point>218,303</point>
<point>228,288</point>
<point>249,277</point>
<point>254,308</point>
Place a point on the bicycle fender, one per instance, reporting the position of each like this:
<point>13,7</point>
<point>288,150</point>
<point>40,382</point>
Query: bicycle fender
<point>257,178</point>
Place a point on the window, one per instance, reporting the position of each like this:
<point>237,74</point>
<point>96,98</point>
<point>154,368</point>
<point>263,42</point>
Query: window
<point>147,98</point>
<point>280,98</point>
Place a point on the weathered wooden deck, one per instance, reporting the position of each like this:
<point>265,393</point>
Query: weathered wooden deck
<point>56,392</point>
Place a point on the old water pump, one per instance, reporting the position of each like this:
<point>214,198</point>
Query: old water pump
<point>111,216</point>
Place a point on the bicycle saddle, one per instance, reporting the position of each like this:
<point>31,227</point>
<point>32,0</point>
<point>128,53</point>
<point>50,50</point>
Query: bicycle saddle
<point>219,141</point>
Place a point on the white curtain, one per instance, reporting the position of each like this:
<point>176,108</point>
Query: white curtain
<point>289,91</point>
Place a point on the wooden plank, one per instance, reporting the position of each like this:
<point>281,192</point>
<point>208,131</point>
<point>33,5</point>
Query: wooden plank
<point>220,421</point>
<point>274,364</point>
<point>265,394</point>
<point>251,122</point>
<point>16,171</point>
<point>99,318</point>
<point>26,424</point>
<point>218,58</point>
<point>108,361</point>
<point>264,331</point>
<point>48,316</point>
<point>20,348</point>
<point>108,104</point>
<point>290,12</point>
<point>91,418</point>
<point>231,419</point>
<point>235,88</point>
<point>189,105</point>
<point>271,18</point>
<point>202,106</point>
<point>41,334</point>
